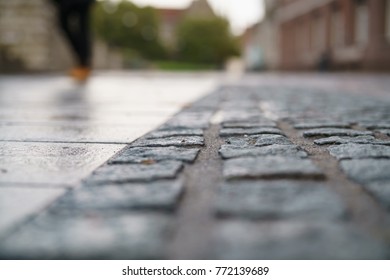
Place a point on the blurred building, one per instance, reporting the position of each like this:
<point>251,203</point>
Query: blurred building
<point>170,19</point>
<point>30,39</point>
<point>338,34</point>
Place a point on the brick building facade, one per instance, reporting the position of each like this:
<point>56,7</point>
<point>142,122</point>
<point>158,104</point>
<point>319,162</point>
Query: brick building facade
<point>351,34</point>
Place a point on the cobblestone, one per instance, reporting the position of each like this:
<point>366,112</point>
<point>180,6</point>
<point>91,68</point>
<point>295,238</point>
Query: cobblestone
<point>258,140</point>
<point>178,141</point>
<point>313,125</point>
<point>279,200</point>
<point>231,151</point>
<point>159,195</point>
<point>154,154</point>
<point>337,140</point>
<point>122,173</point>
<point>174,132</point>
<point>367,170</point>
<point>327,132</point>
<point>249,124</point>
<point>226,132</point>
<point>356,151</point>
<point>90,236</point>
<point>301,241</point>
<point>270,167</point>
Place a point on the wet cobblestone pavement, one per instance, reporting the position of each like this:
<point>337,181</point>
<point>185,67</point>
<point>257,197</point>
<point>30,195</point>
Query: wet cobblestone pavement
<point>255,170</point>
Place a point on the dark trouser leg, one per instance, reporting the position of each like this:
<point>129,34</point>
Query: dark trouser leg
<point>74,22</point>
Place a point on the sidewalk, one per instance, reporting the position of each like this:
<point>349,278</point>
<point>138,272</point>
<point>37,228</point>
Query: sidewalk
<point>274,167</point>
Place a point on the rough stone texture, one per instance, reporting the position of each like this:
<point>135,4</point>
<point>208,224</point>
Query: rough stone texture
<point>327,132</point>
<point>226,132</point>
<point>160,195</point>
<point>89,236</point>
<point>51,163</point>
<point>337,140</point>
<point>385,131</point>
<point>258,140</point>
<point>121,173</point>
<point>231,151</point>
<point>279,200</point>
<point>174,132</point>
<point>367,170</point>
<point>356,151</point>
<point>301,241</point>
<point>312,125</point>
<point>143,154</point>
<point>270,167</point>
<point>178,141</point>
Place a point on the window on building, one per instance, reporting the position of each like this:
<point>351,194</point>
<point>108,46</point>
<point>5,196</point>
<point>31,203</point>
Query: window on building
<point>361,22</point>
<point>388,20</point>
<point>338,28</point>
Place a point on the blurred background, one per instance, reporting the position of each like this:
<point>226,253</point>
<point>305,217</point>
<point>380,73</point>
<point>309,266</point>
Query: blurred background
<point>204,35</point>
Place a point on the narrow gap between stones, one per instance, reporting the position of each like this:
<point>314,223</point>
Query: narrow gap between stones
<point>362,208</point>
<point>195,215</point>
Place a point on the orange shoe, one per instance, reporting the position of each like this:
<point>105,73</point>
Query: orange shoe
<point>80,74</point>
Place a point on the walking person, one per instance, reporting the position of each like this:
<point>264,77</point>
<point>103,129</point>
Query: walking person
<point>73,18</point>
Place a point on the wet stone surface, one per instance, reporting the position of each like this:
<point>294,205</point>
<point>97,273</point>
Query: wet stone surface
<point>155,154</point>
<point>356,151</point>
<point>301,241</point>
<point>122,173</point>
<point>270,167</point>
<point>326,132</point>
<point>90,236</point>
<point>178,141</point>
<point>160,195</point>
<point>267,200</point>
<point>231,151</point>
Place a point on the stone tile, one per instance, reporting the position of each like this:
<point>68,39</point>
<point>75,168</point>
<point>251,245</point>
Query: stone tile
<point>270,167</point>
<point>179,141</point>
<point>295,240</point>
<point>307,200</point>
<point>122,173</point>
<point>159,195</point>
<point>72,132</point>
<point>258,140</point>
<point>356,151</point>
<point>51,163</point>
<point>19,203</point>
<point>337,140</point>
<point>375,125</point>
<point>174,132</point>
<point>385,131</point>
<point>226,132</point>
<point>312,125</point>
<point>367,170</point>
<point>327,132</point>
<point>154,154</point>
<point>89,236</point>
<point>231,151</point>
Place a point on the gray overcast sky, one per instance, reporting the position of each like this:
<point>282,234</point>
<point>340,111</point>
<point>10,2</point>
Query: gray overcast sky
<point>241,13</point>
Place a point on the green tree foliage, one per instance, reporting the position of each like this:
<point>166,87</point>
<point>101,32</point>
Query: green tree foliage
<point>206,40</point>
<point>129,27</point>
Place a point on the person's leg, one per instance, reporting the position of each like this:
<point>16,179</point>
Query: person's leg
<point>65,20</point>
<point>84,38</point>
